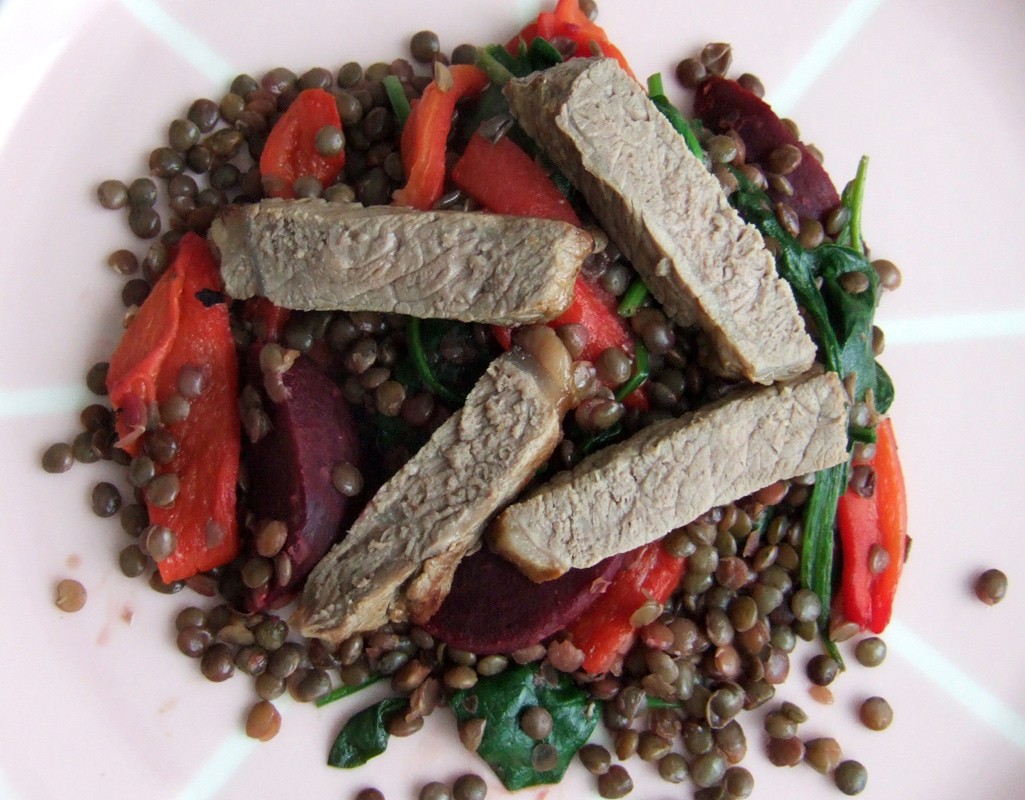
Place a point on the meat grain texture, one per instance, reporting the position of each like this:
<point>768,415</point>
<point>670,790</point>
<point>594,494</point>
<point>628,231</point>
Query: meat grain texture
<point>398,559</point>
<point>669,473</point>
<point>475,267</point>
<point>667,213</point>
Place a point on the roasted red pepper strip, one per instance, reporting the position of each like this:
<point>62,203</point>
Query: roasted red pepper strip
<point>291,148</point>
<point>864,522</point>
<point>604,632</point>
<point>203,516</point>
<point>425,135</point>
<point>567,21</point>
<point>505,180</point>
<point>135,365</point>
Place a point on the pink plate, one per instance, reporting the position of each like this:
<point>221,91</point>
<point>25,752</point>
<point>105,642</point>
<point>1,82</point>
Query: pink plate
<point>100,704</point>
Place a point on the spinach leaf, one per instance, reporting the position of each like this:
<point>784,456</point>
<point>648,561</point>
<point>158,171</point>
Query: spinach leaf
<point>657,94</point>
<point>817,538</point>
<point>542,55</point>
<point>365,735</point>
<point>843,327</point>
<point>842,320</point>
<point>501,699</point>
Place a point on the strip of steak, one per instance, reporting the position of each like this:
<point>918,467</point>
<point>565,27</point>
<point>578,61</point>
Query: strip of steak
<point>474,267</point>
<point>667,214</point>
<point>671,472</point>
<point>397,560</point>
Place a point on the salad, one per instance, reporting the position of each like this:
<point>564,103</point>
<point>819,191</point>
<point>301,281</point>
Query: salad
<point>259,413</point>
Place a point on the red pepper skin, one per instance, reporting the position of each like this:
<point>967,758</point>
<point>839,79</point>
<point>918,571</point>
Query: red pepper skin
<point>882,519</point>
<point>179,330</point>
<point>267,319</point>
<point>425,135</point>
<point>724,105</point>
<point>604,632</point>
<point>291,148</point>
<point>134,367</point>
<point>569,22</point>
<point>505,180</point>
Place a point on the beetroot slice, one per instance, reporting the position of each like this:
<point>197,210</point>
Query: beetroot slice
<point>494,608</point>
<point>290,473</point>
<point>724,105</point>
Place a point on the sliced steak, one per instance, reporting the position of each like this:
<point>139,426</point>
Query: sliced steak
<point>669,473</point>
<point>475,267</point>
<point>420,523</point>
<point>667,213</point>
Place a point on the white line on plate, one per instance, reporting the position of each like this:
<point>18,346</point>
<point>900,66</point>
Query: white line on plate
<point>215,773</point>
<point>6,792</point>
<point>44,400</point>
<point>182,40</point>
<point>955,327</point>
<point>939,669</point>
<point>823,52</point>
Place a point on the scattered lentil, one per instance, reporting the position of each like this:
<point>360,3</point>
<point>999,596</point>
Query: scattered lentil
<point>850,777</point>
<point>70,595</point>
<point>991,586</point>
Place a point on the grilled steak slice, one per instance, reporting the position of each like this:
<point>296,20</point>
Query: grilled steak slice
<point>665,211</point>
<point>669,473</point>
<point>420,523</point>
<point>475,267</point>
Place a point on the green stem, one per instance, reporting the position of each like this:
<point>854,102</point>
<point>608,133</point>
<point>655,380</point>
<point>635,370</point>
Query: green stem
<point>640,374</point>
<point>818,541</point>
<point>632,298</point>
<point>423,368</point>
<point>497,72</point>
<point>657,94</point>
<point>345,690</point>
<point>397,97</point>
<point>857,199</point>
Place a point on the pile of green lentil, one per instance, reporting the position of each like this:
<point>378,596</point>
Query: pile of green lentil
<point>722,644</point>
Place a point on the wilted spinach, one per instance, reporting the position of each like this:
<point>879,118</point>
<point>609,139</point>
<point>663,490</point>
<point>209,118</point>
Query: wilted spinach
<point>365,735</point>
<point>501,699</point>
<point>843,326</point>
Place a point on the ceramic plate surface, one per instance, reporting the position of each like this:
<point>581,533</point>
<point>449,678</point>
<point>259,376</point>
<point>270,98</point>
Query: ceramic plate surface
<point>100,704</point>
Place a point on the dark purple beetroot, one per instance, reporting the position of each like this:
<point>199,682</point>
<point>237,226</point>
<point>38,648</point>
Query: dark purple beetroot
<point>724,105</point>
<point>494,608</point>
<point>290,473</point>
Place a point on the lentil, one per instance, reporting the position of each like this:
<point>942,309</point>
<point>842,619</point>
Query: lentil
<point>218,663</point>
<point>70,595</point>
<point>106,499</point>
<point>615,782</point>
<point>716,57</point>
<point>544,757</point>
<point>991,586</point>
<point>469,787</point>
<point>471,732</point>
<point>595,758</point>
<point>875,714</point>
<point>58,458</point>
<point>707,769</point>
<point>822,670</point>
<point>434,791</point>
<point>850,777</point>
